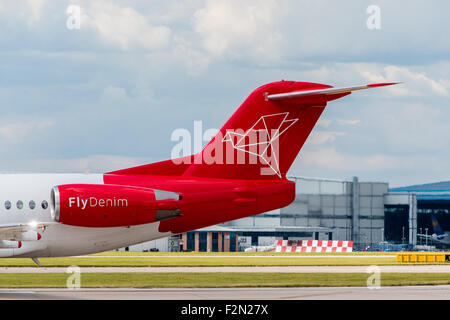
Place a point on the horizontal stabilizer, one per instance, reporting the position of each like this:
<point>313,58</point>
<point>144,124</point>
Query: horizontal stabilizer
<point>327,91</point>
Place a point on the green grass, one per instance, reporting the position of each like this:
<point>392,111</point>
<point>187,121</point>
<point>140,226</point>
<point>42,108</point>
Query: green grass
<point>212,280</point>
<point>204,259</point>
<point>186,261</point>
<point>211,259</point>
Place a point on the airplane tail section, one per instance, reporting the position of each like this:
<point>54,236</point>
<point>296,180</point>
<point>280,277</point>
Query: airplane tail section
<point>263,137</point>
<point>436,227</point>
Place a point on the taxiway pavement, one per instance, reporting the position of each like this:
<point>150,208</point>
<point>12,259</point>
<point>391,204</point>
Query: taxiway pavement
<point>333,293</point>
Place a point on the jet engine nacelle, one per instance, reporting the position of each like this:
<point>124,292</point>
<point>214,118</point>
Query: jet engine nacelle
<point>92,205</point>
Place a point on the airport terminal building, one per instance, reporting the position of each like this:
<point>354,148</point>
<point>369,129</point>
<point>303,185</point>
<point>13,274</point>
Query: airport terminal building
<point>367,213</point>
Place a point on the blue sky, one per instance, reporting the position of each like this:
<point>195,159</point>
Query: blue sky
<point>109,94</point>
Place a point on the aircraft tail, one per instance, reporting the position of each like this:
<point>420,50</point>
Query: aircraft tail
<point>436,227</point>
<point>262,138</point>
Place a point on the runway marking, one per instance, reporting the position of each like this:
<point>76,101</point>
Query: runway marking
<point>314,295</point>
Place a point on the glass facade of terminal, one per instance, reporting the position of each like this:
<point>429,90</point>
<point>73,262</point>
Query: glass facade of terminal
<point>397,224</point>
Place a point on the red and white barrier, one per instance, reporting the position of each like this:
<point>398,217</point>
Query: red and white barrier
<point>313,246</point>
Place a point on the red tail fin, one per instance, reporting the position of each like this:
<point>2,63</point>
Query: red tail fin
<point>263,137</point>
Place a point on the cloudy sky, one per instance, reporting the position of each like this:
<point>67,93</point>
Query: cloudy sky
<point>108,92</point>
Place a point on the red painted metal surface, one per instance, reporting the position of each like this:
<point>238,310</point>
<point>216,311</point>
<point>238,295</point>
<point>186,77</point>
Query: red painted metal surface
<point>89,205</point>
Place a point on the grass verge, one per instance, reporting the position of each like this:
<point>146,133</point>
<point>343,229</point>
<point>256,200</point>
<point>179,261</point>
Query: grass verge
<point>185,261</point>
<point>217,280</point>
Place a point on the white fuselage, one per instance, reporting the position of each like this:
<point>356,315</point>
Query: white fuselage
<point>59,239</point>
<point>443,238</point>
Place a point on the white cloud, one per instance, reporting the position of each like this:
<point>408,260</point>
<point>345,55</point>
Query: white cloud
<point>113,93</point>
<point>320,137</point>
<point>238,28</point>
<point>348,122</point>
<point>15,132</point>
<point>97,163</point>
<point>398,170</point>
<point>176,61</point>
<point>325,123</point>
<point>195,61</point>
<point>415,83</point>
<point>330,158</point>
<point>125,27</point>
<point>36,7</point>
